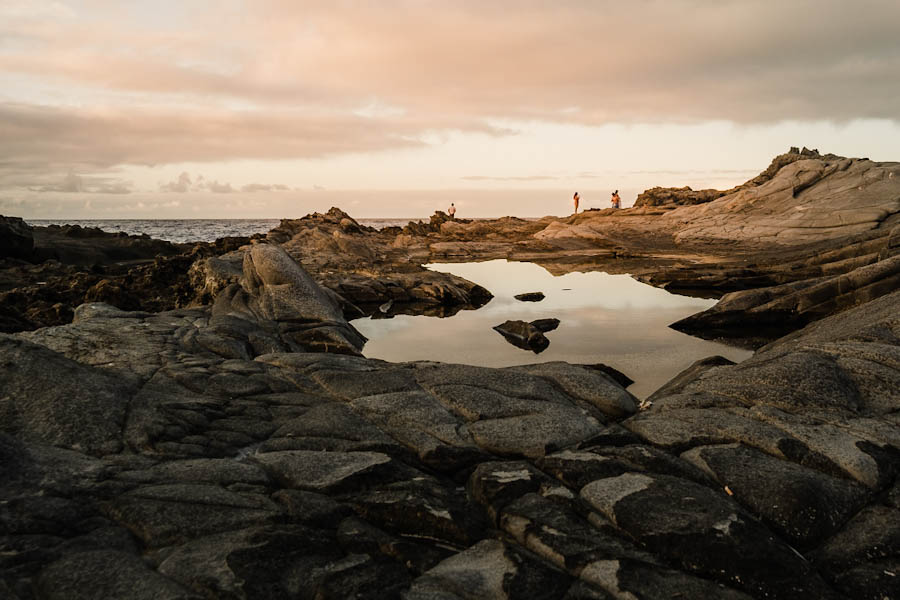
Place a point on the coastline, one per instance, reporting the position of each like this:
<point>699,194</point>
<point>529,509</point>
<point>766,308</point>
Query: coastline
<point>203,415</point>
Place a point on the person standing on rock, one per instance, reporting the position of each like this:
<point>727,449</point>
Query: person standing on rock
<point>452,211</point>
<point>616,201</point>
<point>575,199</point>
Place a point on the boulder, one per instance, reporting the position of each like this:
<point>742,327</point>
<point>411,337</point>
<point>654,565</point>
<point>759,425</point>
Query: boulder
<point>48,398</point>
<point>523,335</point>
<point>530,297</point>
<point>16,240</point>
<point>545,325</point>
<point>107,574</point>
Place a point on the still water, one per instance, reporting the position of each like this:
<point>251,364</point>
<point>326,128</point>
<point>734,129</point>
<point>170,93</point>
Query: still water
<point>610,319</point>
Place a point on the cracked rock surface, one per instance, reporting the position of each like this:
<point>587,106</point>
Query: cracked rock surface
<point>246,450</point>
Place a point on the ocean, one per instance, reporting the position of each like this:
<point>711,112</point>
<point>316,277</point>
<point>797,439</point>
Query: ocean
<point>195,230</point>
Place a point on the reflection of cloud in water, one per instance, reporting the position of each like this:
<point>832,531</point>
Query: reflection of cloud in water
<point>611,319</point>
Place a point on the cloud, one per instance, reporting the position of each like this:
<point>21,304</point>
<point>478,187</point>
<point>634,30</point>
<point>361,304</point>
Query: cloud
<point>575,61</point>
<point>218,188</point>
<point>264,187</point>
<point>111,85</point>
<point>510,178</point>
<point>184,184</point>
<point>75,184</point>
<point>181,185</point>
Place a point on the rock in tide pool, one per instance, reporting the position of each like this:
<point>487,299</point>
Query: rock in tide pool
<point>545,325</point>
<point>530,297</point>
<point>523,335</point>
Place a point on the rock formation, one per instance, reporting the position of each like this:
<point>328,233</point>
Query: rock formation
<point>238,446</point>
<point>174,467</point>
<point>523,335</point>
<point>530,297</point>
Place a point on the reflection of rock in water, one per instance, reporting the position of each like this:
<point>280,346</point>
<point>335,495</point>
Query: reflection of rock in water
<point>523,335</point>
<point>415,309</point>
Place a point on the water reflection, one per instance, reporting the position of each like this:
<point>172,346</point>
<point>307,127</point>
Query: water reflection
<point>611,319</point>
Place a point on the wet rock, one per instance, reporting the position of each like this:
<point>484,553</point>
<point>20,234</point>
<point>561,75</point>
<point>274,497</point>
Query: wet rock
<point>530,297</point>
<point>523,335</point>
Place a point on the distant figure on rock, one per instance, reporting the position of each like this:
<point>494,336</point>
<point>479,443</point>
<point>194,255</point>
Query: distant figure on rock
<point>616,201</point>
<point>452,211</point>
<point>575,199</point>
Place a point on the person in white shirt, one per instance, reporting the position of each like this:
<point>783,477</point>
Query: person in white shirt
<point>452,211</point>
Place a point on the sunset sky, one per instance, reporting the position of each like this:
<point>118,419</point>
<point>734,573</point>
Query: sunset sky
<point>276,108</point>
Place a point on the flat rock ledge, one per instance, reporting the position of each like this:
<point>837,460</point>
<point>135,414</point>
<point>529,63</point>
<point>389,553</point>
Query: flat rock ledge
<point>217,452</point>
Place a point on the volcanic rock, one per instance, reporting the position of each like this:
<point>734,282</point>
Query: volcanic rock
<point>16,240</point>
<point>545,325</point>
<point>530,297</point>
<point>523,335</point>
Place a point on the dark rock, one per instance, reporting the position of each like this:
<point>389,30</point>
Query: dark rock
<point>357,536</point>
<point>167,514</point>
<point>647,580</point>
<point>422,507</point>
<point>775,311</point>
<point>490,569</point>
<point>871,536</point>
<point>545,325</point>
<point>591,385</point>
<point>530,297</point>
<point>677,384</point>
<point>703,532</point>
<point>494,485</point>
<point>671,197</point>
<point>16,240</point>
<point>523,335</point>
<point>800,504</point>
<point>107,574</point>
<point>255,562</point>
<point>46,397</point>
<point>329,472</point>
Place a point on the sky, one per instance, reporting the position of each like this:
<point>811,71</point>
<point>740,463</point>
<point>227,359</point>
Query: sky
<point>394,108</point>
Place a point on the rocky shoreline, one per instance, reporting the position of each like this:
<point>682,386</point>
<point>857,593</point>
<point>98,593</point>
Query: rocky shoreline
<point>198,421</point>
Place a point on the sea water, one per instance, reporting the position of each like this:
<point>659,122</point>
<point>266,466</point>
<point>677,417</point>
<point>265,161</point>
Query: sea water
<point>193,230</point>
